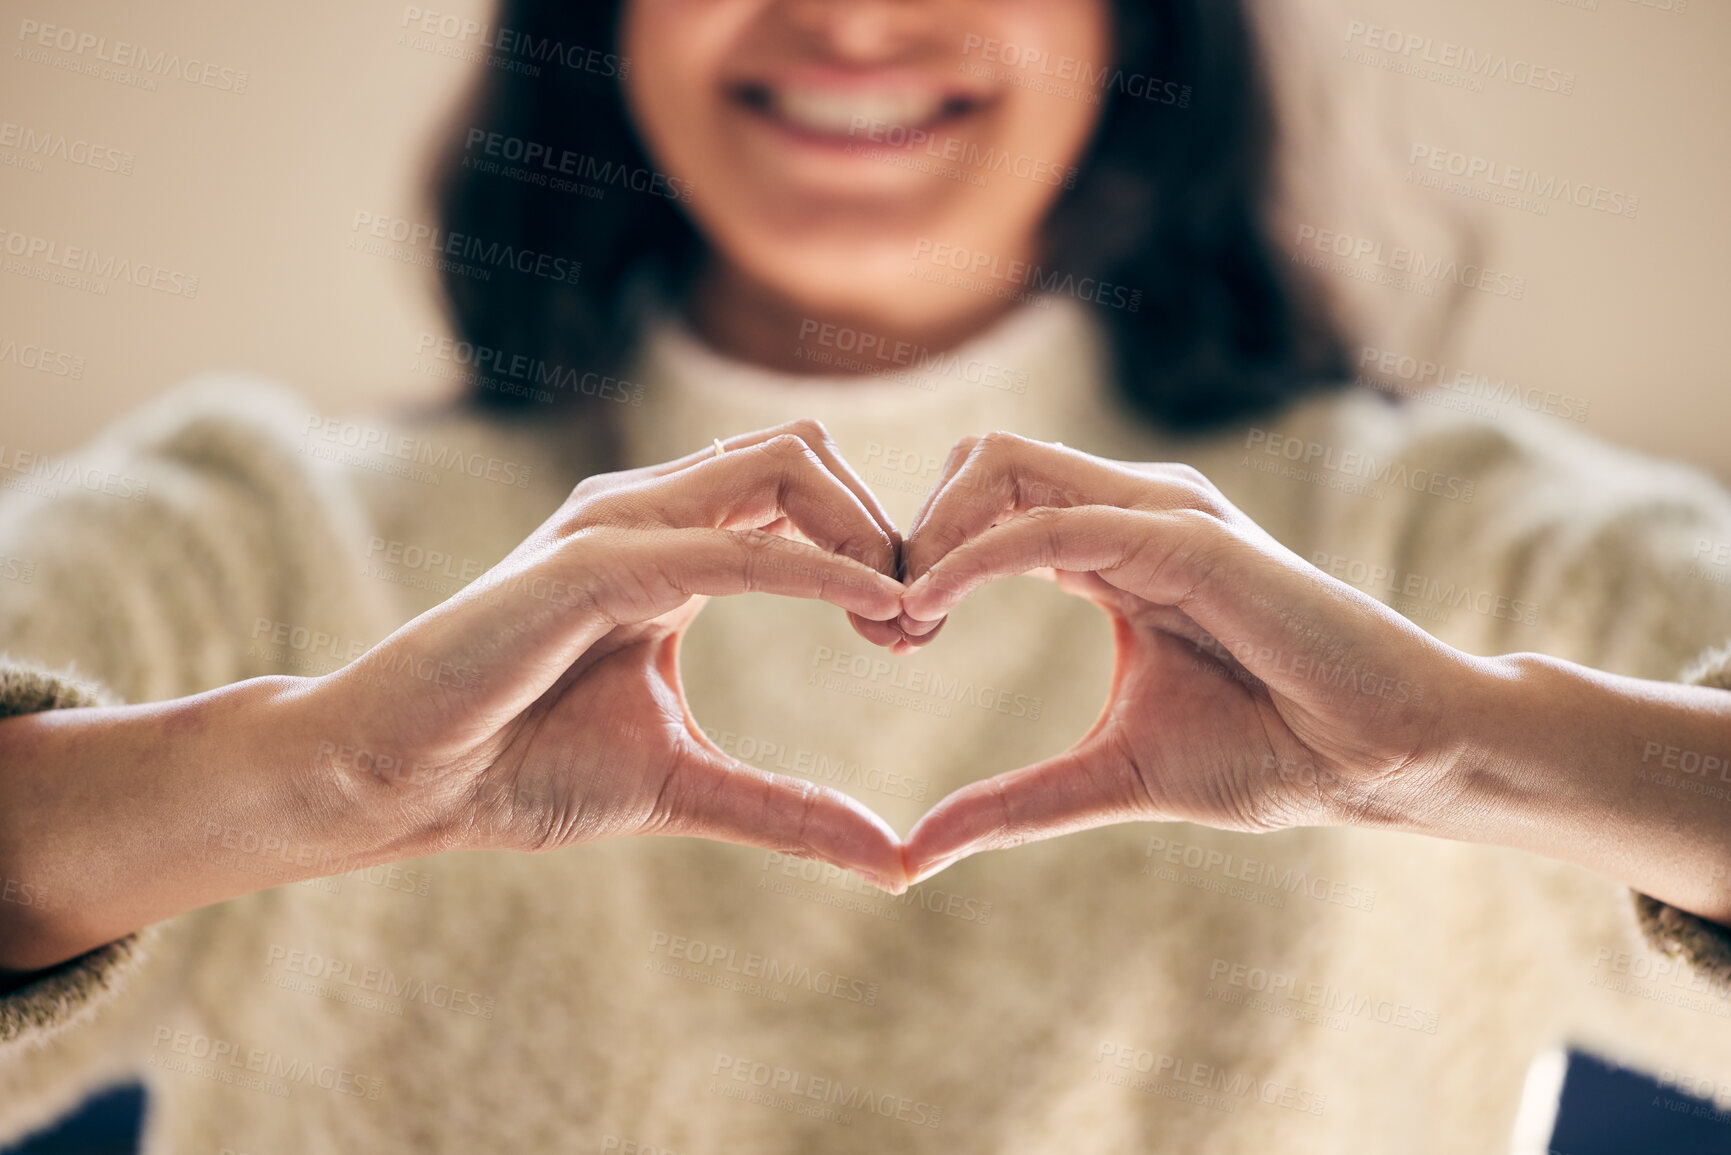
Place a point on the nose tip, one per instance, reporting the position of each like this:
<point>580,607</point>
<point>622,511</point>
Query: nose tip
<point>859,30</point>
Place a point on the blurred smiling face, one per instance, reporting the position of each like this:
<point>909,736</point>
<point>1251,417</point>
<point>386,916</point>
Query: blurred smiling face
<point>827,140</point>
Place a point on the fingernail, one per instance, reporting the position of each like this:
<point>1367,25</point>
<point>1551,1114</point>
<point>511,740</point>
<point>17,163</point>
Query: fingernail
<point>917,627</point>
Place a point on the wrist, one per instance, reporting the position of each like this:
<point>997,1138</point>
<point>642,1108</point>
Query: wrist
<point>359,796</point>
<point>1500,736</point>
<point>121,816</point>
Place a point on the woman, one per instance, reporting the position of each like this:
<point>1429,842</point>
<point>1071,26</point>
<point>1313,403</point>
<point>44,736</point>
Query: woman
<point>1180,985</point>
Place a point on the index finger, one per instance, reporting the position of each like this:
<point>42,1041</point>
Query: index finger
<point>817,439</point>
<point>1005,473</point>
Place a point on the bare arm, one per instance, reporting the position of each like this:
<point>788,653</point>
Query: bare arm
<point>1623,776</point>
<point>116,817</point>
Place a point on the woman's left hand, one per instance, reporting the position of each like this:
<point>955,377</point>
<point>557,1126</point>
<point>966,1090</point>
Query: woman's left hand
<point>1251,692</point>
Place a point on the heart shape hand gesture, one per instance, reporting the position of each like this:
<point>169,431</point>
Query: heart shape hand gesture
<point>1251,691</point>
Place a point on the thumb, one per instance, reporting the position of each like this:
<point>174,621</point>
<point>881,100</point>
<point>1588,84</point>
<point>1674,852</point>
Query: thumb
<point>1091,784</point>
<point>709,794</point>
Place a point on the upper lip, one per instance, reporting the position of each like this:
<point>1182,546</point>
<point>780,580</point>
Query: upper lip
<point>833,100</point>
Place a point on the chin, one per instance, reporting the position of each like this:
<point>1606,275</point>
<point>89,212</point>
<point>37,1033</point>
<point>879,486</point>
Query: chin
<point>858,284</point>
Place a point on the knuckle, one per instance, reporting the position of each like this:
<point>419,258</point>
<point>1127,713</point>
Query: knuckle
<point>607,511</point>
<point>1200,522</point>
<point>959,451</point>
<point>757,540</point>
<point>604,539</point>
<point>1190,475</point>
<point>808,429</point>
<point>592,494</point>
<point>1044,513</point>
<point>1201,493</point>
<point>789,448</point>
<point>590,486</point>
<point>1207,502</point>
<point>1180,493</point>
<point>1001,441</point>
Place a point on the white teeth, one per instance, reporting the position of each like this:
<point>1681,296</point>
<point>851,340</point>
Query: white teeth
<point>839,113</point>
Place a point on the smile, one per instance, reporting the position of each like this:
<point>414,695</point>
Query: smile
<point>845,113</point>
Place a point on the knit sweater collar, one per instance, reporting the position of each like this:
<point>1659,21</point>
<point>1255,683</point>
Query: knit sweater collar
<point>1042,370</point>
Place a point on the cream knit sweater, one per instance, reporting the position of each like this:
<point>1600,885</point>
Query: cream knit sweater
<point>1158,987</point>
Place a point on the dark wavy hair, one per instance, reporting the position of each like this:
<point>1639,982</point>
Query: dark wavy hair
<point>1174,199</point>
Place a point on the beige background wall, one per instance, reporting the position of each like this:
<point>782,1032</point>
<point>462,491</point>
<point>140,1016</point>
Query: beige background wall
<point>254,192</point>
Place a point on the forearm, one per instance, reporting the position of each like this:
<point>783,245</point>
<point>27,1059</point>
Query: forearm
<point>1629,778</point>
<point>115,818</point>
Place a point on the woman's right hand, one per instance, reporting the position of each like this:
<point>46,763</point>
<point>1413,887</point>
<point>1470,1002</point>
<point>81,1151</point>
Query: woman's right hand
<point>541,706</point>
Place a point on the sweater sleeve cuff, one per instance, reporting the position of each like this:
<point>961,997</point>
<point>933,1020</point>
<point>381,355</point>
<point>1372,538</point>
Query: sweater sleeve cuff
<point>1704,945</point>
<point>61,996</point>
